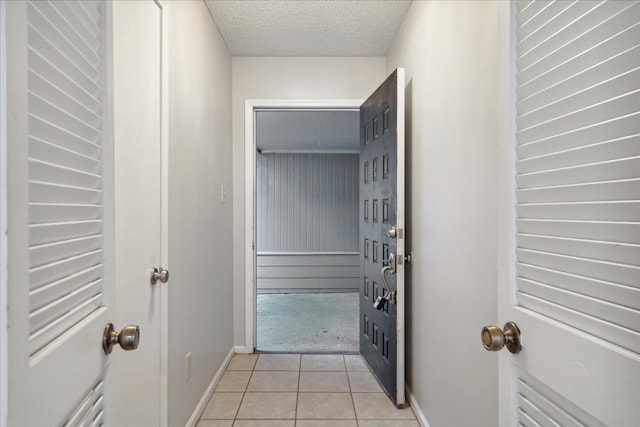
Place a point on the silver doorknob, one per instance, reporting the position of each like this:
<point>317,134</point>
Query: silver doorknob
<point>493,338</point>
<point>160,274</point>
<point>392,233</point>
<point>128,337</point>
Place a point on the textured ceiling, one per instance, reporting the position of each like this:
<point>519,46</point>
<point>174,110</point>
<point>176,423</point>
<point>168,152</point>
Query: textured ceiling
<point>313,131</point>
<point>308,27</point>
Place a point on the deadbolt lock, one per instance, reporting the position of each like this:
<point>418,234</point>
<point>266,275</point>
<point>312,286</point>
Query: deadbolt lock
<point>128,337</point>
<point>494,339</point>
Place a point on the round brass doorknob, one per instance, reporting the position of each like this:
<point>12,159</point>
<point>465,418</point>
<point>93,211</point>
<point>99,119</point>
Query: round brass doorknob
<point>128,337</point>
<point>494,338</point>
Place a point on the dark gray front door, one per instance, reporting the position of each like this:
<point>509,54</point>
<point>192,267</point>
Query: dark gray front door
<point>382,210</point>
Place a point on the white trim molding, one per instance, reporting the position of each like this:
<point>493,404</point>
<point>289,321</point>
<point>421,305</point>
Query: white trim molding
<point>202,404</point>
<point>250,107</point>
<point>4,346</point>
<point>417,410</point>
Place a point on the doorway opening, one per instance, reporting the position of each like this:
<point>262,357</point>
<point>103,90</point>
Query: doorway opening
<point>306,221</point>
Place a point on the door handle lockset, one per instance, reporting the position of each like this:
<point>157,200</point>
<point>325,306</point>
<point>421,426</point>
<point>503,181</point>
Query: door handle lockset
<point>389,295</point>
<point>494,338</point>
<point>128,337</point>
<point>160,274</point>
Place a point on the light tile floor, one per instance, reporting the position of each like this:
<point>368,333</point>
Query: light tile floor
<point>293,390</point>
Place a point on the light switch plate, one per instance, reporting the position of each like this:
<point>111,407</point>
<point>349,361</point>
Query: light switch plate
<point>223,194</point>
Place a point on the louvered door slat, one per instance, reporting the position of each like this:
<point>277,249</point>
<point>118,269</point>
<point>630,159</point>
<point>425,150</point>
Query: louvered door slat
<point>619,190</point>
<point>51,291</point>
<point>54,134</point>
<point>599,270</point>
<point>618,128</point>
<point>40,338</point>
<point>600,93</point>
<point>626,317</point>
<point>58,231</point>
<point>619,253</point>
<point>86,406</point>
<point>602,72</point>
<point>622,295</point>
<point>52,272</point>
<point>39,149</point>
<point>528,13</point>
<point>87,31</point>
<point>530,84</point>
<point>596,172</point>
<point>52,252</point>
<point>599,23</point>
<point>525,420</point>
<point>556,17</point>
<point>51,93</point>
<point>618,232</point>
<point>89,10</point>
<point>49,313</point>
<point>58,79</point>
<point>48,212</point>
<point>626,211</point>
<point>56,35</point>
<point>43,47</point>
<point>61,23</point>
<point>65,120</point>
<point>96,408</point>
<point>45,192</point>
<point>534,412</point>
<point>552,410</point>
<point>55,174</point>
<point>99,419</point>
<point>589,154</point>
<point>596,113</point>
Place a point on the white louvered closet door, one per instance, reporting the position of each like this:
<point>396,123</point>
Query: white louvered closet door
<point>58,294</point>
<point>574,282</point>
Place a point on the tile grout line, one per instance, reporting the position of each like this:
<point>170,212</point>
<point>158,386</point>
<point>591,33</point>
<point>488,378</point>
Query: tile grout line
<point>295,415</point>
<point>244,393</point>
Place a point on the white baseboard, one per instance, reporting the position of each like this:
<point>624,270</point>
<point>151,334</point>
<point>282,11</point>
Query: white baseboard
<point>417,410</point>
<point>240,349</point>
<point>199,409</point>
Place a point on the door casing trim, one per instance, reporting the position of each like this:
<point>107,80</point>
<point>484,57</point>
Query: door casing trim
<point>4,290</point>
<point>250,107</point>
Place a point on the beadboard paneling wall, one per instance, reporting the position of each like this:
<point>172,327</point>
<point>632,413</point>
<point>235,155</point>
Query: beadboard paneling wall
<point>307,202</point>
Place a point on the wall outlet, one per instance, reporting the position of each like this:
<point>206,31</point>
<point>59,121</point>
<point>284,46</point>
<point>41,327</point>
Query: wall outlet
<point>187,366</point>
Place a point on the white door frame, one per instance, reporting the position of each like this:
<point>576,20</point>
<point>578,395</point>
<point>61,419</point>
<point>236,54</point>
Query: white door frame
<point>506,196</point>
<point>165,9</point>
<point>250,107</point>
<point>4,293</point>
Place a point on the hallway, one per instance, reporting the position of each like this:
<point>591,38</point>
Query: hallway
<point>287,390</point>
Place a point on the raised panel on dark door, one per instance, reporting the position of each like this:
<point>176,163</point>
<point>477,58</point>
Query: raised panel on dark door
<point>382,208</point>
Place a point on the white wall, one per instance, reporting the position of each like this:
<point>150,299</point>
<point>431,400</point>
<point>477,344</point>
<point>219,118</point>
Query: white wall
<point>284,78</point>
<point>449,52</point>
<point>200,240</point>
